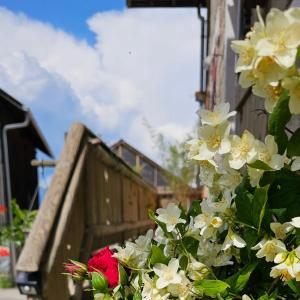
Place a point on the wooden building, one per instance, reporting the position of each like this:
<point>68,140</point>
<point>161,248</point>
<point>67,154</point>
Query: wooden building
<point>152,173</point>
<point>19,140</point>
<point>224,21</point>
<point>230,20</point>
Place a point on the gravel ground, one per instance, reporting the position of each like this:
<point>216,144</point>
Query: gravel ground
<point>11,294</point>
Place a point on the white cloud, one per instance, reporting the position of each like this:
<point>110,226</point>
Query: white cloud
<point>143,66</point>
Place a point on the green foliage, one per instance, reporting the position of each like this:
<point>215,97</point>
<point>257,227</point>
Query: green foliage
<point>157,256</point>
<point>293,148</point>
<point>258,164</point>
<point>284,192</point>
<point>239,280</point>
<point>5,282</point>
<point>210,288</point>
<point>21,225</point>
<point>99,282</point>
<point>191,245</point>
<point>195,209</point>
<point>122,275</point>
<point>278,120</point>
<point>137,296</point>
<point>294,286</point>
<point>259,202</point>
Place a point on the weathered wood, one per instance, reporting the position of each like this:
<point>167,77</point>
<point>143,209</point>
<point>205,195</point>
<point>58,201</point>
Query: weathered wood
<point>43,163</point>
<point>94,200</point>
<point>66,212</point>
<point>31,255</point>
<point>104,230</point>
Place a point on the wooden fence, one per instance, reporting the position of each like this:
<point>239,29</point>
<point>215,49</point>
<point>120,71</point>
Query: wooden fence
<point>94,199</point>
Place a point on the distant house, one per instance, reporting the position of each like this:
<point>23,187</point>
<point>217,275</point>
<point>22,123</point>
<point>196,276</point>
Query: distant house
<point>19,140</point>
<point>150,171</point>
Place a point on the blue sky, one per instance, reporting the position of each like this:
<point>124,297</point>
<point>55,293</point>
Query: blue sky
<point>101,64</point>
<point>69,15</point>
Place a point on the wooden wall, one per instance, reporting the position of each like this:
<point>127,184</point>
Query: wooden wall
<point>94,200</point>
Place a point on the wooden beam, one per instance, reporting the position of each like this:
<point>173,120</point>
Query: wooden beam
<point>32,253</point>
<point>105,230</point>
<point>43,163</point>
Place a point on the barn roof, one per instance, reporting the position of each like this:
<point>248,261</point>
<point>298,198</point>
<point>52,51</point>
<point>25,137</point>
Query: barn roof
<point>166,3</point>
<point>19,111</point>
<point>121,142</point>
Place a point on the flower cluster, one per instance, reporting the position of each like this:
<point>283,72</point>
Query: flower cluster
<point>267,58</point>
<point>243,240</point>
<point>221,155</point>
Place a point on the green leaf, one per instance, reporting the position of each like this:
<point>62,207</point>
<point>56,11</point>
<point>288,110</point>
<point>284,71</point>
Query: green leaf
<point>191,245</point>
<point>259,202</point>
<point>101,296</point>
<point>157,256</point>
<point>210,287</point>
<point>258,164</point>
<point>137,296</point>
<point>122,275</point>
<point>280,214</point>
<point>285,192</point>
<point>195,209</point>
<point>297,235</point>
<point>99,282</point>
<point>293,147</point>
<point>278,120</point>
<point>294,286</point>
<point>243,203</point>
<point>183,262</point>
<point>163,226</point>
<point>239,280</point>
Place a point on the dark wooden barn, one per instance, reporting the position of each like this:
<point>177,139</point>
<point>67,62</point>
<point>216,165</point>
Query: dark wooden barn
<point>19,140</point>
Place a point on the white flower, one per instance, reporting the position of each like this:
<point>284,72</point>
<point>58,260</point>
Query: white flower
<point>159,236</point>
<point>143,242</point>
<point>269,248</point>
<point>230,180</point>
<point>221,206</point>
<point>268,153</point>
<point>170,216</point>
<point>167,274</point>
<point>295,222</point>
<point>284,271</point>
<point>246,297</point>
<point>197,150</point>
<point>247,54</point>
<point>292,84</point>
<point>136,254</point>
<point>267,72</point>
<point>217,116</point>
<point>207,172</point>
<point>207,223</point>
<point>197,270</point>
<point>271,94</point>
<point>222,259</point>
<point>242,150</point>
<point>281,230</point>
<point>233,239</point>
<point>295,164</point>
<point>182,289</point>
<point>282,38</point>
<point>254,176</point>
<point>127,255</point>
<point>216,137</point>
<point>150,292</point>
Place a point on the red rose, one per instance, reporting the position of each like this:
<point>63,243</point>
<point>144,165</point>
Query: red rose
<point>4,251</point>
<point>3,209</point>
<point>104,262</point>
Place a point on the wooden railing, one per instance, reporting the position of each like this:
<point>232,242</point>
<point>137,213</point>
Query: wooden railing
<point>94,199</point>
